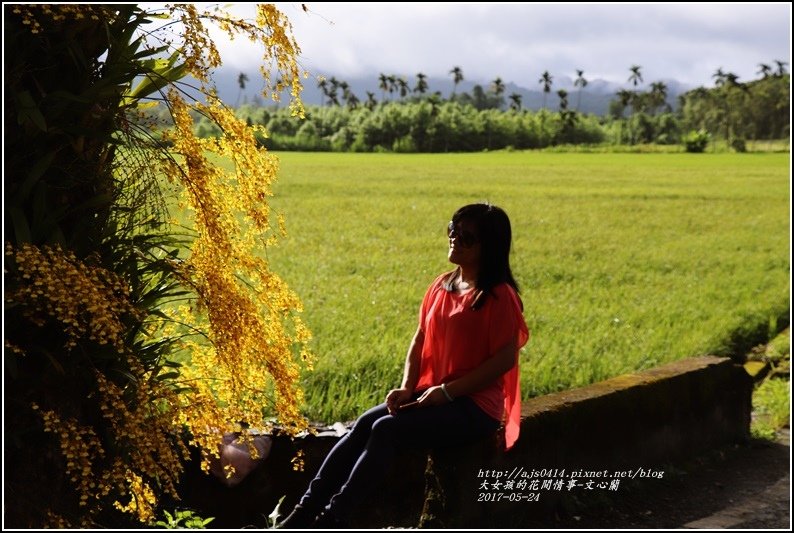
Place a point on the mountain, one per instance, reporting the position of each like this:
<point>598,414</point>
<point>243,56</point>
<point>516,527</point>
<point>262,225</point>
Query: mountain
<point>595,98</point>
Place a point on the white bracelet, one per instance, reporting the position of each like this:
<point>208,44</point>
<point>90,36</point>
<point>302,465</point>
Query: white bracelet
<point>444,390</point>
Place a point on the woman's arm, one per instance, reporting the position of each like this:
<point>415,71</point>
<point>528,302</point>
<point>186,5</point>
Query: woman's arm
<point>412,361</point>
<point>399,396</point>
<point>492,368</point>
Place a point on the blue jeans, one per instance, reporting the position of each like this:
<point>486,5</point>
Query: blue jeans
<point>363,456</point>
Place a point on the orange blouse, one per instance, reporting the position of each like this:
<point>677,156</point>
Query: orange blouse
<point>458,339</point>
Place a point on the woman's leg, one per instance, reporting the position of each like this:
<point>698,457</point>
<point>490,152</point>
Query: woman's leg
<point>340,460</point>
<point>454,423</point>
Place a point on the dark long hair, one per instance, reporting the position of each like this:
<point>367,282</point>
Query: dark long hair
<point>492,228</point>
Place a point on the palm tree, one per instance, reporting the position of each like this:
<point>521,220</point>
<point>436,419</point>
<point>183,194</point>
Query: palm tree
<point>764,70</point>
<point>546,80</point>
<point>435,101</point>
<point>624,98</point>
<point>403,86</point>
<point>658,94</point>
<point>580,82</point>
<point>641,102</point>
<point>421,84</point>
<point>323,86</point>
<point>719,77</point>
<point>567,117</point>
<point>515,101</point>
<point>781,67</point>
<point>730,84</point>
<point>383,85</point>
<point>636,77</point>
<point>352,100</point>
<point>392,83</point>
<point>241,79</point>
<point>568,122</point>
<point>347,93</point>
<point>498,86</point>
<point>333,96</point>
<point>563,94</point>
<point>478,98</point>
<point>457,77</point>
<point>371,102</point>
<point>636,99</point>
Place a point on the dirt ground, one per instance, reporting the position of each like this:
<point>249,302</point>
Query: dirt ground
<point>743,486</point>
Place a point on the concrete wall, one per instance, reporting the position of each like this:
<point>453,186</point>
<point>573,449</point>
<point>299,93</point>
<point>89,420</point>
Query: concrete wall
<point>636,424</point>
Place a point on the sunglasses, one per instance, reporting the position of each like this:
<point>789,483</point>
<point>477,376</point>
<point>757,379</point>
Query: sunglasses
<point>465,238</point>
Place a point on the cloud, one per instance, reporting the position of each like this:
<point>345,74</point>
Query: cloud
<point>517,42</point>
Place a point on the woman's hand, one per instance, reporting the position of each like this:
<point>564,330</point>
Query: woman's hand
<point>396,397</point>
<point>432,396</point>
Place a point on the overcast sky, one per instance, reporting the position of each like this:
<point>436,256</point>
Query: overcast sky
<point>517,42</point>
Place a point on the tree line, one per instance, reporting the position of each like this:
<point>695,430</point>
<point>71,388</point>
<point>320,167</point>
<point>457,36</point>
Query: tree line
<point>414,119</point>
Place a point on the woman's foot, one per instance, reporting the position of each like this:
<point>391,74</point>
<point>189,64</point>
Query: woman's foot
<point>327,520</point>
<point>300,518</point>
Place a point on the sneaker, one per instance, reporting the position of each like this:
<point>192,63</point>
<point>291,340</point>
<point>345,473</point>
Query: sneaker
<point>300,518</point>
<point>327,520</point>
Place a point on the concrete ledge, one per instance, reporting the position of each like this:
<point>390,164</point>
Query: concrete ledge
<point>656,415</point>
<point>643,420</point>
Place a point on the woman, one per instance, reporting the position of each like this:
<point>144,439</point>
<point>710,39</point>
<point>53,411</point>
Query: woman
<point>461,372</point>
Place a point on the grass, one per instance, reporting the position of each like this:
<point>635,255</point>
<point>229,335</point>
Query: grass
<point>771,408</point>
<point>625,261</point>
<point>719,146</point>
<point>772,397</point>
<point>778,351</point>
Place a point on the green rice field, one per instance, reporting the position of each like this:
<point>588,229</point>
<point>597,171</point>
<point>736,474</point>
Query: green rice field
<point>625,261</point>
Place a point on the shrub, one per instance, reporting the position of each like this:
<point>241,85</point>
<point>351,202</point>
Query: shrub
<point>739,145</point>
<point>696,141</point>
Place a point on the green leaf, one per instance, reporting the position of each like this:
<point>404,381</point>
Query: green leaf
<point>147,52</point>
<point>44,218</point>
<point>66,95</point>
<point>55,363</point>
<point>36,171</point>
<point>20,223</point>
<point>273,517</point>
<point>28,110</point>
<point>160,72</point>
<point>147,105</point>
<point>98,201</point>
